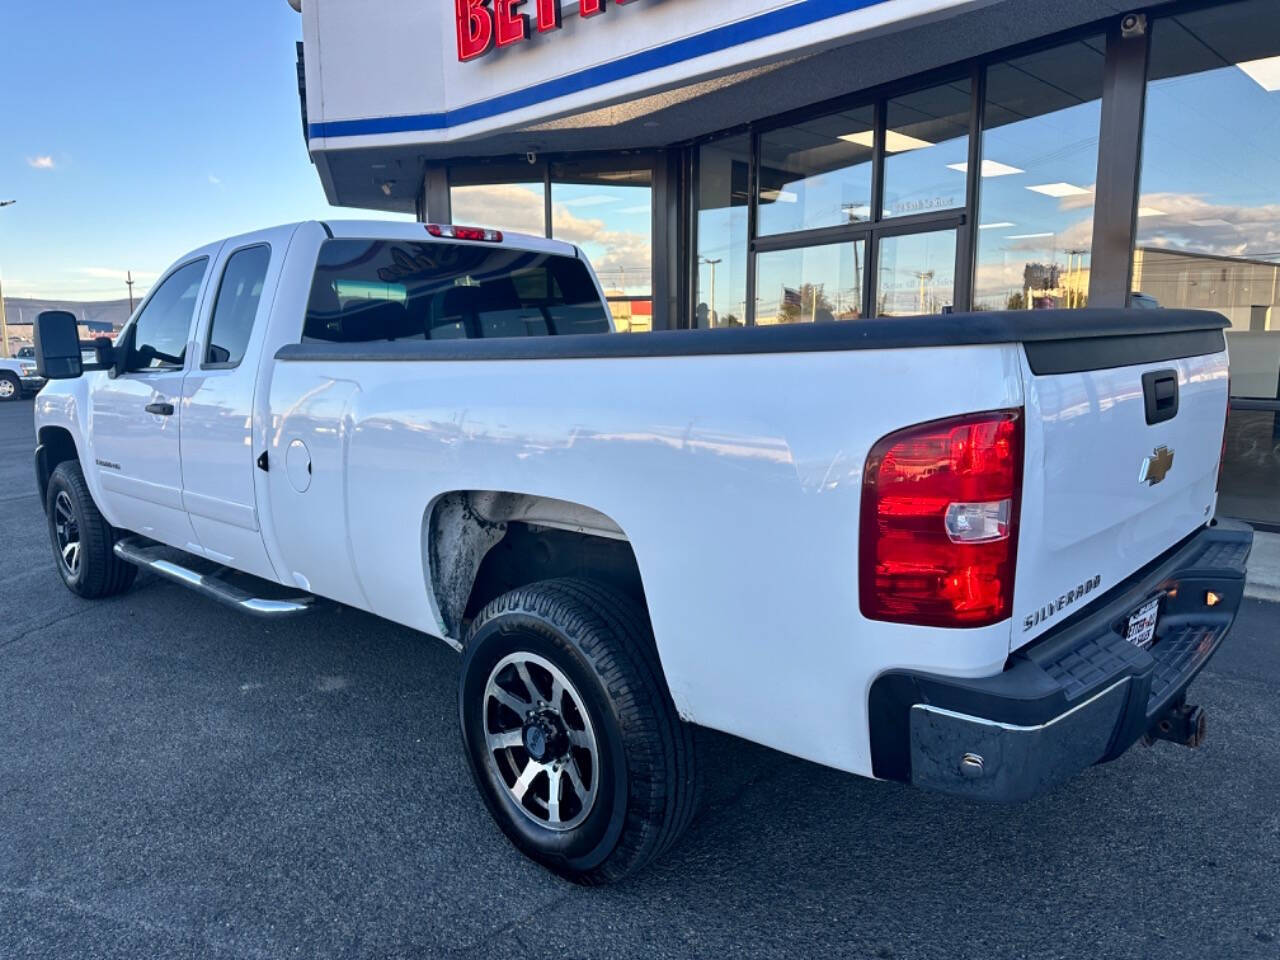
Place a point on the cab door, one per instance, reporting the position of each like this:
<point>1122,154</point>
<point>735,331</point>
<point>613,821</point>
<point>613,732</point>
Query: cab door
<point>219,455</point>
<point>136,416</point>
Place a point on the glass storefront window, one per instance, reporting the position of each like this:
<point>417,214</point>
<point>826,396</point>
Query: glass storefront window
<point>720,274</point>
<point>609,214</point>
<point>518,207</point>
<point>1038,175</point>
<point>810,284</point>
<point>916,274</point>
<point>1208,225</point>
<point>926,135</point>
<point>817,173</point>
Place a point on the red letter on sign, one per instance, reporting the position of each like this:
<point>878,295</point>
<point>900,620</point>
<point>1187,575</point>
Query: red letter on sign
<point>548,15</point>
<point>589,8</point>
<point>475,29</point>
<point>510,26</point>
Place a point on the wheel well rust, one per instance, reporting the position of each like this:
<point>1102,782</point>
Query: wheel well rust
<point>479,544</point>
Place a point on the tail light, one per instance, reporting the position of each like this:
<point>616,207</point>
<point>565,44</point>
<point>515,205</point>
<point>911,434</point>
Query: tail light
<point>940,507</point>
<point>447,231</point>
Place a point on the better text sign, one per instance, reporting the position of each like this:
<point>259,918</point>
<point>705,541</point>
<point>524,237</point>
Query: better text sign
<point>485,24</point>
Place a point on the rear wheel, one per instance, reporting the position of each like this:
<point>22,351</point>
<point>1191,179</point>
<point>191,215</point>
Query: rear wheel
<point>10,387</point>
<point>570,732</point>
<point>83,541</point>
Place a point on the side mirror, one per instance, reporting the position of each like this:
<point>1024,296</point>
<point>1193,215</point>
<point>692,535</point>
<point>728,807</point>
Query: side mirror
<point>57,339</point>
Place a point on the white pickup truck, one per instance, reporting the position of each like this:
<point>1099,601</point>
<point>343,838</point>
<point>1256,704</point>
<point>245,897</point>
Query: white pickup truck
<point>18,377</point>
<point>976,553</point>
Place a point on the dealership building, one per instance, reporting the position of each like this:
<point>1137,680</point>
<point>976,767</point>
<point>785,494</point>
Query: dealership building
<point>750,162</point>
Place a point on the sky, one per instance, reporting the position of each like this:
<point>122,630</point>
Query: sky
<point>133,132</point>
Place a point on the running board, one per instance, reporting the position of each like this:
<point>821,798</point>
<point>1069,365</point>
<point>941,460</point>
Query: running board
<point>154,557</point>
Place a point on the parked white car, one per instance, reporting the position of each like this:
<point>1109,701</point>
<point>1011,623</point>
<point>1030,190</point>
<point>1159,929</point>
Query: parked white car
<point>976,553</point>
<point>18,378</point>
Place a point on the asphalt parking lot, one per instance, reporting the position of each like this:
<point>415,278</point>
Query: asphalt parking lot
<point>176,780</point>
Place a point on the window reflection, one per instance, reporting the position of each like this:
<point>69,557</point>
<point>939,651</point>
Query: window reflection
<point>609,214</point>
<point>810,284</point>
<point>817,173</point>
<point>1209,210</point>
<point>927,134</point>
<point>916,274</point>
<point>1208,227</point>
<point>720,277</point>
<point>515,207</point>
<point>1038,173</point>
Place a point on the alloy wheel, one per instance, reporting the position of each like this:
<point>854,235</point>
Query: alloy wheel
<point>67,531</point>
<point>540,741</point>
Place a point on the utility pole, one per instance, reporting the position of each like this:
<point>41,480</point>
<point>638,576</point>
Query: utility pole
<point>4,326</point>
<point>129,284</point>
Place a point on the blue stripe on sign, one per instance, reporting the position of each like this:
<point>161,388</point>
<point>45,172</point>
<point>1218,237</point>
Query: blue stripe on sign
<point>712,41</point>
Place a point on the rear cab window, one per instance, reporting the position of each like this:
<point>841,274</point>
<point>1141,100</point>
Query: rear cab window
<point>236,306</point>
<point>369,290</point>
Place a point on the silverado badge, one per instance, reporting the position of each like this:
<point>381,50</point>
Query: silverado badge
<point>1156,467</point>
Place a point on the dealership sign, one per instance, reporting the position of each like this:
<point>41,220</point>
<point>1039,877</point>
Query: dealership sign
<point>485,24</point>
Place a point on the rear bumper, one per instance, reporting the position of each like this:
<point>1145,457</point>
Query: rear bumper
<point>1077,696</point>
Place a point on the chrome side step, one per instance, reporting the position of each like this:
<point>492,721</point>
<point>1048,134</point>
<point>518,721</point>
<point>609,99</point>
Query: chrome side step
<point>155,557</point>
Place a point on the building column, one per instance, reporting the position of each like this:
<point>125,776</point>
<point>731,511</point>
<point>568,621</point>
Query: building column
<point>1115,208</point>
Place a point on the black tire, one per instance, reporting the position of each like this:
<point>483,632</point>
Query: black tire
<point>12,388</point>
<point>97,572</point>
<point>646,780</point>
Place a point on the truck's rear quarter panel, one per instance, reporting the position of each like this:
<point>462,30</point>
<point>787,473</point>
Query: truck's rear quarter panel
<point>737,479</point>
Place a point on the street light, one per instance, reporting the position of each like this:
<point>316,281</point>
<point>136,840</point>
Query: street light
<point>4,327</point>
<point>711,307</point>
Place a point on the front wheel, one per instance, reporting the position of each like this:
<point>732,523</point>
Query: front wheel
<point>570,732</point>
<point>10,387</point>
<point>83,541</point>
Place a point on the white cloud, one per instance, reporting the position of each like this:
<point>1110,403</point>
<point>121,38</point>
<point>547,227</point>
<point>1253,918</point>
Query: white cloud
<point>41,162</point>
<point>216,181</point>
<point>1193,224</point>
<point>592,200</point>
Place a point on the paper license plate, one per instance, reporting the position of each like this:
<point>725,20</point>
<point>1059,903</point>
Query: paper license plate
<point>1142,624</point>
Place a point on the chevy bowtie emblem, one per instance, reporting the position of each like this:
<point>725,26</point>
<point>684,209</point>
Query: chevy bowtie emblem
<point>1156,467</point>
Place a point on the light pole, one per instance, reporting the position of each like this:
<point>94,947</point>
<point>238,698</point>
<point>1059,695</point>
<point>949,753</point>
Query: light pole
<point>711,307</point>
<point>4,326</point>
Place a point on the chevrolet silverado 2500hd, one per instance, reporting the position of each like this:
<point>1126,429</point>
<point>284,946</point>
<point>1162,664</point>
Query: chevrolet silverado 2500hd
<point>976,553</point>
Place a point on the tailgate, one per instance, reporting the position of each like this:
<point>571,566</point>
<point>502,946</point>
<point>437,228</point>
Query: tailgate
<point>1121,463</point>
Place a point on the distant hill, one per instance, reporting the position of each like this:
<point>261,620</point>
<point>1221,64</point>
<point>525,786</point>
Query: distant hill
<point>102,315</point>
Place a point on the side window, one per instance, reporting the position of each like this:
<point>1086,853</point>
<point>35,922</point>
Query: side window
<point>236,306</point>
<point>370,290</point>
<point>162,328</point>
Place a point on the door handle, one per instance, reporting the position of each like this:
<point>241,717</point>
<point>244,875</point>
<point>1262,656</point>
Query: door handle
<point>163,409</point>
<point>1160,395</point>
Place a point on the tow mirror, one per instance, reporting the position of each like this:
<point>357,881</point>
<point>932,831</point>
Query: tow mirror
<point>57,339</point>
